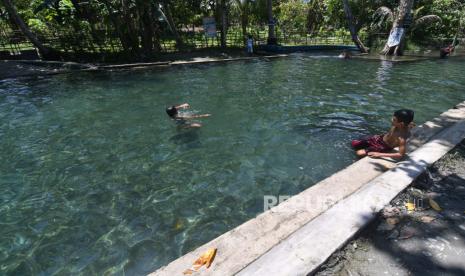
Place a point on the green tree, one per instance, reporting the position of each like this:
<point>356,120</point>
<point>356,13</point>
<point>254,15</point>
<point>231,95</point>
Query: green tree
<point>11,9</point>
<point>244,8</point>
<point>452,13</point>
<point>352,29</point>
<point>315,15</point>
<point>170,21</point>
<point>292,16</point>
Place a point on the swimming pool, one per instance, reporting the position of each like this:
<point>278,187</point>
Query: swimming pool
<point>96,179</point>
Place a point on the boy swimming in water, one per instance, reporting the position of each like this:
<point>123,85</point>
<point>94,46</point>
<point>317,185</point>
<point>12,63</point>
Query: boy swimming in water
<point>345,55</point>
<point>446,51</point>
<point>183,120</point>
<point>381,145</point>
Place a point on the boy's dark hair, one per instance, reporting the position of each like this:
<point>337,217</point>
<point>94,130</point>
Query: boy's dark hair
<point>171,111</point>
<point>404,115</point>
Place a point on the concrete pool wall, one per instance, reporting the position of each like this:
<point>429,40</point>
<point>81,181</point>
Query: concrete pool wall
<point>38,68</point>
<point>298,235</point>
<point>27,68</point>
<point>307,48</point>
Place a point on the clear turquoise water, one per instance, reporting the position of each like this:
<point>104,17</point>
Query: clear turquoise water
<point>96,179</point>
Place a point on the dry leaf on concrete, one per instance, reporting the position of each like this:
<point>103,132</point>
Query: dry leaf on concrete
<point>387,167</point>
<point>205,259</point>
<point>427,219</point>
<point>434,205</point>
<point>188,272</point>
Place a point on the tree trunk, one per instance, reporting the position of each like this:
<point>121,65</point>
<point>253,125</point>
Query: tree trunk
<point>126,45</point>
<point>353,31</point>
<point>90,17</point>
<point>43,50</point>
<point>224,29</point>
<point>172,25</point>
<point>404,9</point>
<point>245,20</point>
<point>147,29</point>
<point>271,24</point>
<point>130,34</point>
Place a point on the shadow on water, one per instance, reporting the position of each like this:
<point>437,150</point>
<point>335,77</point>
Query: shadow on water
<point>187,137</point>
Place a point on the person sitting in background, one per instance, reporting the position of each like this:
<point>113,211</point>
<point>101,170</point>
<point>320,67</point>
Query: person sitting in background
<point>183,120</point>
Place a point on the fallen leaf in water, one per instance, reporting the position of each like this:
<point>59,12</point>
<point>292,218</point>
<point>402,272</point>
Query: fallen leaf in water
<point>434,205</point>
<point>179,224</point>
<point>427,219</point>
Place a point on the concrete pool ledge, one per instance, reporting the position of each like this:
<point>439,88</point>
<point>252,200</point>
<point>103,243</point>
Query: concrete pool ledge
<point>298,235</point>
<point>394,59</point>
<point>217,60</point>
<point>205,60</point>
<point>70,68</point>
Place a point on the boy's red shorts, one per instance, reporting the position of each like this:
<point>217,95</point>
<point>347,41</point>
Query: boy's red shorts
<point>371,143</point>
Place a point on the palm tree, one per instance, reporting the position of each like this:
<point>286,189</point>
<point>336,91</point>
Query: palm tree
<point>353,31</point>
<point>43,50</point>
<point>400,19</point>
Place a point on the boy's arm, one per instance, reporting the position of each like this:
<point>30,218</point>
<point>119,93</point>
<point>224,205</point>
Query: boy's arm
<point>201,116</point>
<point>396,155</point>
<point>196,116</point>
<point>184,105</point>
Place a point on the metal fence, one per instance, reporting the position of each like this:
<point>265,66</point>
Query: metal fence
<point>108,42</point>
